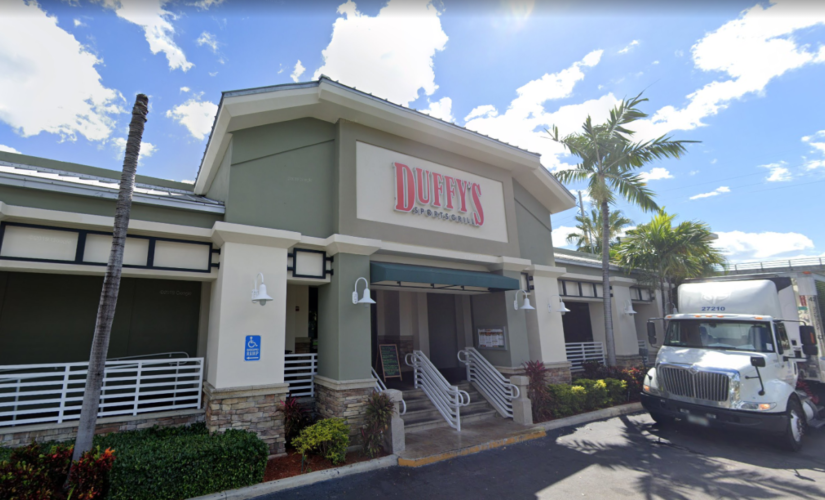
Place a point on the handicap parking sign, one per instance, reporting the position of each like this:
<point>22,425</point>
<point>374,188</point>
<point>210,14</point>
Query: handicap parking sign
<point>252,348</point>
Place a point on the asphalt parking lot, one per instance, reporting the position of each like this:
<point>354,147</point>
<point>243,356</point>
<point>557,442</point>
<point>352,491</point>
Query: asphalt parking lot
<point>624,457</point>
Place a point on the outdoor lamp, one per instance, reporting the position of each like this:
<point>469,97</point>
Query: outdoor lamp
<point>259,294</point>
<point>629,309</point>
<point>526,305</point>
<point>562,308</point>
<point>365,299</point>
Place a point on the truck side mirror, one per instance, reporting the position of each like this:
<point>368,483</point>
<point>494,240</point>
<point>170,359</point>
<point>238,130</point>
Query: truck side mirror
<point>758,361</point>
<point>807,334</point>
<point>651,333</point>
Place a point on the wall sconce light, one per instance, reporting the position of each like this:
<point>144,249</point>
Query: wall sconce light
<point>629,309</point>
<point>526,306</point>
<point>562,308</point>
<point>259,294</point>
<point>365,299</point>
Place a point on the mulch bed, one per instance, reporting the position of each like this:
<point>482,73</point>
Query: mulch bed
<point>290,465</point>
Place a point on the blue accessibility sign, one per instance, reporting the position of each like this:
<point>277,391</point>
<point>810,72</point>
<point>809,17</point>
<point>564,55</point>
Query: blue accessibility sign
<point>252,348</point>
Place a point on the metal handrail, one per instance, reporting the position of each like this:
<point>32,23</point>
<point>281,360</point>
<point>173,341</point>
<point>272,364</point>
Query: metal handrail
<point>381,387</point>
<point>579,353</point>
<point>448,399</point>
<point>490,382</point>
<point>773,264</point>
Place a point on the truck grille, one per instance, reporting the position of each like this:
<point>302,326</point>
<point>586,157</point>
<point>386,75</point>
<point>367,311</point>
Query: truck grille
<point>710,386</point>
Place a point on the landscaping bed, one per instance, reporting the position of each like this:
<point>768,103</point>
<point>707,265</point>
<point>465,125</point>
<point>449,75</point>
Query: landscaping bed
<point>290,465</point>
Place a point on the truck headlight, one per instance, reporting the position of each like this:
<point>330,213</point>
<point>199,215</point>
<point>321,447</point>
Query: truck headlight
<point>748,405</point>
<point>651,390</point>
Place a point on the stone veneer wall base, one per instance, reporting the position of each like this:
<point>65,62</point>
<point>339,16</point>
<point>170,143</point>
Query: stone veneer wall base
<point>12,437</point>
<point>253,409</point>
<point>347,400</point>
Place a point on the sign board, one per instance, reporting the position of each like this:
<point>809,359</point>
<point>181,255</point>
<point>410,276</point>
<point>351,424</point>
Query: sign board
<point>390,367</point>
<point>491,338</point>
<point>252,348</point>
<point>400,189</point>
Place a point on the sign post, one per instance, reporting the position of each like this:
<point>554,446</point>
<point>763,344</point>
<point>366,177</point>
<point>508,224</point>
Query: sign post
<point>390,366</point>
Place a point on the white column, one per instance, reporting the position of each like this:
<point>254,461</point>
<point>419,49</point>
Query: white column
<point>624,325</point>
<point>245,252</point>
<point>545,332</point>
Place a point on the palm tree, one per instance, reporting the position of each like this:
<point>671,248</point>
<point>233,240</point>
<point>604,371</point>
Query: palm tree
<point>111,282</point>
<point>669,254</point>
<point>609,159</point>
<point>588,238</point>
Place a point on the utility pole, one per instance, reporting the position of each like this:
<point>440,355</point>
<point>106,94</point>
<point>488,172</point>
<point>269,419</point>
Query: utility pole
<point>584,227</point>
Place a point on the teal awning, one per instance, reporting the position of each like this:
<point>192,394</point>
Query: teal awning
<point>404,275</point>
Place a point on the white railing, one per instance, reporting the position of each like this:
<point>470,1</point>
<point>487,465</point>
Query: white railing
<point>490,382</point>
<point>774,265</point>
<point>381,387</point>
<point>53,393</point>
<point>299,373</point>
<point>579,353</point>
<point>448,399</point>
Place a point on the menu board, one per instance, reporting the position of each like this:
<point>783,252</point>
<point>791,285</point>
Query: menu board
<point>491,338</point>
<point>389,360</point>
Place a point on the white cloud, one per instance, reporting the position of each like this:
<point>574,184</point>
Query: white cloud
<point>751,50</point>
<point>739,246</point>
<point>629,47</point>
<point>655,174</point>
<point>715,192</point>
<point>187,181</point>
<point>9,149</point>
<point>779,173</point>
<point>185,89</point>
<point>205,5</point>
<point>818,147</point>
<point>78,23</point>
<point>655,62</point>
<point>524,121</point>
<point>298,71</point>
<point>213,73</point>
<point>389,55</point>
<point>443,109</point>
<point>150,15</point>
<point>48,80</point>
<point>209,40</point>
<point>713,161</point>
<point>560,236</point>
<point>814,164</point>
<point>146,148</point>
<point>693,172</point>
<point>196,115</point>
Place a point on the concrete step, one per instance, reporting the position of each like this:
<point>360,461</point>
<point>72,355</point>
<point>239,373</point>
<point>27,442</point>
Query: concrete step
<point>420,425</point>
<point>430,412</point>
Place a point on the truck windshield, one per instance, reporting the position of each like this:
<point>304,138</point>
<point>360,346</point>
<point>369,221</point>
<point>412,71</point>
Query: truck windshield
<point>731,335</point>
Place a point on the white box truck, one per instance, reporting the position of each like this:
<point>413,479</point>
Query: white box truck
<point>733,353</point>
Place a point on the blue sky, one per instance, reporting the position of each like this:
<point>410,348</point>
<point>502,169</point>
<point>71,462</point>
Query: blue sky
<point>742,77</point>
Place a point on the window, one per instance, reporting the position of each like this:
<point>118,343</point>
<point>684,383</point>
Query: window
<point>782,338</point>
<point>726,335</point>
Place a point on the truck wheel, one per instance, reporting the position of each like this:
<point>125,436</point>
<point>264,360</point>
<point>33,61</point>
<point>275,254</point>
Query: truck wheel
<point>795,430</point>
<point>661,419</point>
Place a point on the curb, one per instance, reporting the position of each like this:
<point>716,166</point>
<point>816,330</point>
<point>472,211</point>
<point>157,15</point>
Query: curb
<point>302,480</point>
<point>535,433</point>
<point>592,416</point>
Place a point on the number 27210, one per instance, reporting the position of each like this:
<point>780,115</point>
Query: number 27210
<point>713,308</point>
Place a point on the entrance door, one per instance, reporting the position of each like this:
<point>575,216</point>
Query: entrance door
<point>443,331</point>
<point>576,323</point>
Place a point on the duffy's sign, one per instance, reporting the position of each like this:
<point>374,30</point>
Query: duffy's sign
<point>431,194</point>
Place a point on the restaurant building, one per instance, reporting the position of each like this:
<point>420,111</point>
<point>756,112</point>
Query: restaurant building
<point>355,223</point>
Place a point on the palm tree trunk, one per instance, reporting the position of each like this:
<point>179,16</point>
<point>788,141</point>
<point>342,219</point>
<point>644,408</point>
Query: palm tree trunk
<point>111,283</point>
<point>664,295</point>
<point>608,309</point>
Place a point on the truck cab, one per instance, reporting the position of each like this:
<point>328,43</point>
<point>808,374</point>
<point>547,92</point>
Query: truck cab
<point>726,360</point>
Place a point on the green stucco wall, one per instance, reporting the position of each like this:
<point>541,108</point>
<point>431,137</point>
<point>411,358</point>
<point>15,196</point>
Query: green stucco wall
<point>152,316</point>
<point>283,177</point>
<point>344,328</point>
<point>493,310</point>
<point>535,234</point>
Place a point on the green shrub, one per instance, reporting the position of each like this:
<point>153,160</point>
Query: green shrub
<point>537,391</point>
<point>616,391</point>
<point>328,438</point>
<point>296,418</point>
<point>568,399</point>
<point>182,462</point>
<point>378,417</point>
<point>596,393</point>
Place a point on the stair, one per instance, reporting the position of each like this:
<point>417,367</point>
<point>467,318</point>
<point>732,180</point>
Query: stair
<point>422,413</point>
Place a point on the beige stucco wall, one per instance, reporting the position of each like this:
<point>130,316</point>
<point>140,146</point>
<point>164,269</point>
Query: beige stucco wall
<point>297,314</point>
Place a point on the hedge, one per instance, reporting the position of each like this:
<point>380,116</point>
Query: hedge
<point>182,462</point>
<point>585,395</point>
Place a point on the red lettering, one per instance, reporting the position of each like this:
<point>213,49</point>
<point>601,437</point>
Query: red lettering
<point>438,189</point>
<point>423,176</point>
<point>449,187</point>
<point>404,188</point>
<point>478,217</point>
<point>461,187</point>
